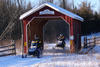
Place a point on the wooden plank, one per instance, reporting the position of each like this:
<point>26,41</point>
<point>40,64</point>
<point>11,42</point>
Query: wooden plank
<point>98,43</point>
<point>90,43</point>
<point>90,39</point>
<point>7,54</point>
<point>97,40</point>
<point>86,50</point>
<point>6,46</point>
<point>97,37</point>
<point>7,50</point>
<point>93,43</point>
<point>12,49</point>
<point>91,47</point>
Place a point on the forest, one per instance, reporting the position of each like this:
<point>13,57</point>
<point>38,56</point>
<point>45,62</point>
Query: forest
<point>10,11</point>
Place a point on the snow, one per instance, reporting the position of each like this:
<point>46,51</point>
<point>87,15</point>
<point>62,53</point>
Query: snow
<point>17,61</point>
<point>97,49</point>
<point>71,61</point>
<point>55,58</point>
<point>68,60</point>
<point>59,9</point>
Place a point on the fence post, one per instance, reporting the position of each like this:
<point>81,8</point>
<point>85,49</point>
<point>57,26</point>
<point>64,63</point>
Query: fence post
<point>94,38</point>
<point>85,42</point>
<point>14,46</point>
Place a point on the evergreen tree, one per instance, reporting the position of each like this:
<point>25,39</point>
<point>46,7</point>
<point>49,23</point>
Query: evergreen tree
<point>91,20</point>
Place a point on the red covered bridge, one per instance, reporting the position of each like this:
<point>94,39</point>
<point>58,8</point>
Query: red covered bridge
<point>36,18</point>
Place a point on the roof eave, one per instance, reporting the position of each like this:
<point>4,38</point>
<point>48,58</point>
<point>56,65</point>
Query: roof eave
<point>53,7</point>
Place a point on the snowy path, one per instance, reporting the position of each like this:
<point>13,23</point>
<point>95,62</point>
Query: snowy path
<point>71,61</point>
<point>58,61</point>
<point>53,58</point>
<point>17,61</point>
<point>61,59</point>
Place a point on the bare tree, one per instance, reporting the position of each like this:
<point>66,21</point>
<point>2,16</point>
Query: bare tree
<point>45,1</point>
<point>11,10</point>
<point>65,4</point>
<point>51,1</point>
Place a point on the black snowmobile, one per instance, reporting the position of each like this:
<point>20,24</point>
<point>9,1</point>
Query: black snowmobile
<point>35,49</point>
<point>61,42</point>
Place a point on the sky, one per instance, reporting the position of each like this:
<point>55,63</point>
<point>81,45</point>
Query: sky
<point>94,3</point>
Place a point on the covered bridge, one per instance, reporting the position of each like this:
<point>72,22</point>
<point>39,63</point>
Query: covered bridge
<point>35,19</point>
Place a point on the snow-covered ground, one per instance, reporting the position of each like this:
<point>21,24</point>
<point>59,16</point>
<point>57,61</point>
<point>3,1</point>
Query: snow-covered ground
<point>55,57</point>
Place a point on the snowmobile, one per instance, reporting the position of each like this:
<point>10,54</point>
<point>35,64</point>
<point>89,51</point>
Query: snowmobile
<point>61,44</point>
<point>34,49</point>
<point>61,41</point>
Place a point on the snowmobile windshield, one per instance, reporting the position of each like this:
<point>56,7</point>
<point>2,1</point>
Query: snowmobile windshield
<point>34,43</point>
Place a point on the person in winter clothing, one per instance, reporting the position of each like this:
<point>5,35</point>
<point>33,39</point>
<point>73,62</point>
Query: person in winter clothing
<point>62,39</point>
<point>35,49</point>
<point>37,41</point>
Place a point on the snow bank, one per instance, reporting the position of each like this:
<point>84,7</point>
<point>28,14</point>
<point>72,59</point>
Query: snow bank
<point>17,61</point>
<point>97,49</point>
<point>69,60</point>
<point>54,58</point>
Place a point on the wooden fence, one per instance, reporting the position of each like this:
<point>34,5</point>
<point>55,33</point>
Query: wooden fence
<point>91,41</point>
<point>7,50</point>
<point>89,44</point>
